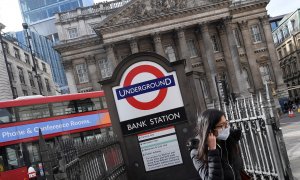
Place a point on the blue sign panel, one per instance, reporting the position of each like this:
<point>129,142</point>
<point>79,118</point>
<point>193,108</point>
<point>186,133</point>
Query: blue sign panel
<point>51,127</point>
<point>145,87</point>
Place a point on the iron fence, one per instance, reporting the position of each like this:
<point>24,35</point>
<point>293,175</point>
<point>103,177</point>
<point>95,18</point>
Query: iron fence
<point>262,146</point>
<point>97,158</point>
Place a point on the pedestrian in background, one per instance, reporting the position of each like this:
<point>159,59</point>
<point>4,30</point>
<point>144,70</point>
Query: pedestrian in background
<point>215,151</point>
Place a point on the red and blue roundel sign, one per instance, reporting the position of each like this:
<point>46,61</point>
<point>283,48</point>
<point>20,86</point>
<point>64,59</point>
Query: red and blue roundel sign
<point>161,83</point>
<point>146,88</point>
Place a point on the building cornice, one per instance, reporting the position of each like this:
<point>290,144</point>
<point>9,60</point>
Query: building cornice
<point>123,20</point>
<point>249,5</point>
<point>78,44</point>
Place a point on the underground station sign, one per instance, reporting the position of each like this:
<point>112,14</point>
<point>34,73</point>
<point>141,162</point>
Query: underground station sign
<point>148,97</point>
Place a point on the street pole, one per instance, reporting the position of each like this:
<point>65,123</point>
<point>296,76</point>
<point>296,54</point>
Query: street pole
<point>38,78</point>
<point>2,26</point>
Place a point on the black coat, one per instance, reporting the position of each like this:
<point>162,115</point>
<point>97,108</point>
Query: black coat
<point>224,163</point>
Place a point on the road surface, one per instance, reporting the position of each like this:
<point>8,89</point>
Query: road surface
<point>291,134</point>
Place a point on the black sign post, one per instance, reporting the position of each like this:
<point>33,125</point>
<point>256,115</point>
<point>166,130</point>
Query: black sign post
<point>153,114</point>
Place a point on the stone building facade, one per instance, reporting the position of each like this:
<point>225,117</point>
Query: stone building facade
<point>221,41</point>
<point>21,72</point>
<point>287,41</point>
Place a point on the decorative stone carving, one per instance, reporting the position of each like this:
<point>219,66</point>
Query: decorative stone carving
<point>198,64</point>
<point>220,60</point>
<point>156,37</point>
<point>227,20</point>
<point>222,29</point>
<point>260,50</point>
<point>264,20</point>
<point>108,47</point>
<point>243,25</point>
<point>133,45</point>
<point>90,60</point>
<point>158,45</point>
<point>67,65</point>
<point>145,8</point>
<point>203,27</point>
<point>180,32</point>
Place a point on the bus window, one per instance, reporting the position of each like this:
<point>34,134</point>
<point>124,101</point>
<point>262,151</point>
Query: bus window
<point>33,150</point>
<point>33,112</point>
<point>63,108</point>
<point>85,105</point>
<point>97,104</point>
<point>14,157</point>
<point>7,115</point>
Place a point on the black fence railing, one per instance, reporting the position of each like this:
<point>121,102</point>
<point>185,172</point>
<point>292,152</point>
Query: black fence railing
<point>98,158</point>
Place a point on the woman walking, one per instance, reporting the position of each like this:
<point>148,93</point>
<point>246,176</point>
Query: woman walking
<point>215,152</point>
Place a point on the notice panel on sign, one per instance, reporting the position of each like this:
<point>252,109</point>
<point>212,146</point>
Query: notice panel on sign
<point>161,151</point>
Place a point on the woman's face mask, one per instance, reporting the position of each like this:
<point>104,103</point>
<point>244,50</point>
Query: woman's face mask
<point>223,129</point>
<point>224,133</point>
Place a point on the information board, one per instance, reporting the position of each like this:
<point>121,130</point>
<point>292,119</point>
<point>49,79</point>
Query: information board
<point>160,149</point>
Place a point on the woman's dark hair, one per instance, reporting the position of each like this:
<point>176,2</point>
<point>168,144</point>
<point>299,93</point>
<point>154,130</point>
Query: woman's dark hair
<point>207,122</point>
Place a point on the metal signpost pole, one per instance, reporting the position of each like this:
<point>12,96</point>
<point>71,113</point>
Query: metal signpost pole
<point>38,77</point>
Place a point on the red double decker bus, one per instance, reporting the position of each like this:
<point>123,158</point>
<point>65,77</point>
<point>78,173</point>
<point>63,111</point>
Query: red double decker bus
<point>81,116</point>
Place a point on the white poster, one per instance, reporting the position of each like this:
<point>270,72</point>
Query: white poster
<point>160,149</point>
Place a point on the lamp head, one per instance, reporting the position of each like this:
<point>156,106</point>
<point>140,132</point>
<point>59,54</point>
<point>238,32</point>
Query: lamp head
<point>25,25</point>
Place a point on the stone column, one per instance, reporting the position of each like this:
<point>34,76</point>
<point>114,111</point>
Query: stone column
<point>242,88</point>
<point>68,66</point>
<point>184,51</point>
<point>232,71</point>
<point>93,74</point>
<point>272,52</point>
<point>209,61</point>
<point>205,63</point>
<point>158,46</point>
<point>109,48</point>
<point>254,67</point>
<point>134,46</point>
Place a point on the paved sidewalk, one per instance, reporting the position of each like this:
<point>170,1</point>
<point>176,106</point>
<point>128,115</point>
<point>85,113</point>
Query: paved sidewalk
<point>291,134</point>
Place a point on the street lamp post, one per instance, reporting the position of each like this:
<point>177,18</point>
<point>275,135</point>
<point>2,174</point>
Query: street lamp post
<point>2,26</point>
<point>38,78</point>
<point>24,149</point>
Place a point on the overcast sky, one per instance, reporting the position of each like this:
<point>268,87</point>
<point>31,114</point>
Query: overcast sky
<point>10,14</point>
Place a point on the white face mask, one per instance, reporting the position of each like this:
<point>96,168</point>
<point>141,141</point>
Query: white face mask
<point>224,133</point>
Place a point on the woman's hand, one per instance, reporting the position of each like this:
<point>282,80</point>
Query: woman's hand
<point>211,141</point>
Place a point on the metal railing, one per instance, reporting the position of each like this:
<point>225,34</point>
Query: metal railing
<point>262,146</point>
<point>98,158</point>
<point>99,8</point>
<point>245,2</point>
